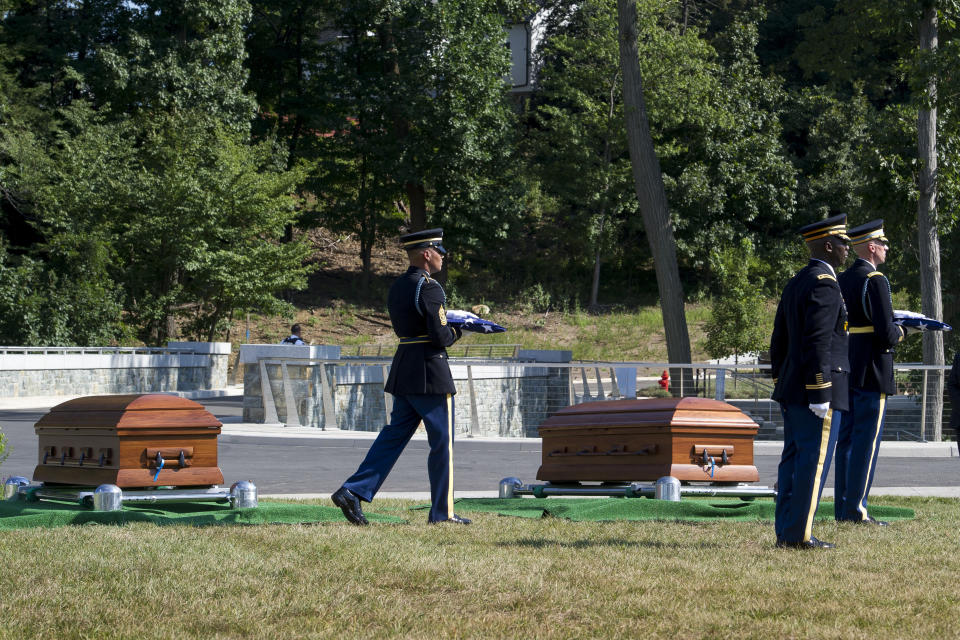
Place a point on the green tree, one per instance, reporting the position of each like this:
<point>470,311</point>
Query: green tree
<point>196,215</point>
<point>286,45</point>
<point>725,170</point>
<point>422,119</point>
<point>66,299</point>
<point>579,146</point>
<point>736,321</point>
<point>714,120</point>
<point>57,290</point>
<point>142,174</point>
<point>905,84</point>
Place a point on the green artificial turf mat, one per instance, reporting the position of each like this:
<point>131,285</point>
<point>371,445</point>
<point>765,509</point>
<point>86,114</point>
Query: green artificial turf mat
<point>19,514</point>
<point>598,509</point>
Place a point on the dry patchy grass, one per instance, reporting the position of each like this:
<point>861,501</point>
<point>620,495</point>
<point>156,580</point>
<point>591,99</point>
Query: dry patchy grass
<point>624,335</point>
<point>499,578</point>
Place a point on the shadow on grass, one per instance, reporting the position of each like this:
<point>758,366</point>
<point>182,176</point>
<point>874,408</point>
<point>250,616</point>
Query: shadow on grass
<point>543,543</point>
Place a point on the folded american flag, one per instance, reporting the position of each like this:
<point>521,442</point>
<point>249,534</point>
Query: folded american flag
<point>918,321</point>
<point>472,322</point>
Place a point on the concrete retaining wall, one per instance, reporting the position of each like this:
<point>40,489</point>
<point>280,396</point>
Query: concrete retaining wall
<point>182,366</point>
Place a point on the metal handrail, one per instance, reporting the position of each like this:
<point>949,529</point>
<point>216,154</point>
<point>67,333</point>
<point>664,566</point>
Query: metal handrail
<point>456,350</point>
<point>584,381</point>
<point>20,350</point>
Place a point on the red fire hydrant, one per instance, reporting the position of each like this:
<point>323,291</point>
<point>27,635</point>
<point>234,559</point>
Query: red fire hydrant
<point>665,381</point>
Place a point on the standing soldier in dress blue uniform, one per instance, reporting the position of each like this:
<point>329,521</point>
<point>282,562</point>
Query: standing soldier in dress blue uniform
<point>873,335</point>
<point>808,353</point>
<point>420,382</point>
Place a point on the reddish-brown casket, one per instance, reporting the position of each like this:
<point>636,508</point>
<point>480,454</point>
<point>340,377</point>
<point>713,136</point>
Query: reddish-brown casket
<point>122,440</point>
<point>646,439</point>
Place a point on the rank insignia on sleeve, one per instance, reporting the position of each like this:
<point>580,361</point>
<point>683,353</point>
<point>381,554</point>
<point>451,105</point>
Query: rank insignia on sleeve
<point>443,316</point>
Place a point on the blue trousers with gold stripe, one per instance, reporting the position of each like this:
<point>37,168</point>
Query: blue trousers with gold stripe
<point>436,413</point>
<point>808,443</point>
<point>858,443</point>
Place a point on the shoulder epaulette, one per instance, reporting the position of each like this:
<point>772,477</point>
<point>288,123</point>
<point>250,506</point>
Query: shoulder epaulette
<point>825,275</point>
<point>874,273</point>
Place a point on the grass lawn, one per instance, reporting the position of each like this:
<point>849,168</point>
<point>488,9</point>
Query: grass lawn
<point>624,335</point>
<point>498,578</point>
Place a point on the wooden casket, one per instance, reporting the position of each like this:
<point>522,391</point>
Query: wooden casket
<point>691,439</point>
<point>125,439</point>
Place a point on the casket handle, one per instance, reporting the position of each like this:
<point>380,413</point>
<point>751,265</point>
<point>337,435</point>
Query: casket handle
<point>182,456</point>
<point>704,452</point>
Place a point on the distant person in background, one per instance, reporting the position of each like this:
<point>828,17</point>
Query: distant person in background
<point>953,386</point>
<point>294,337</point>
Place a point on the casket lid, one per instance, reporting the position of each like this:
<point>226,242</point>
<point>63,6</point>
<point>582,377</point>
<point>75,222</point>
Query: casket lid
<point>130,411</point>
<point>650,411</point>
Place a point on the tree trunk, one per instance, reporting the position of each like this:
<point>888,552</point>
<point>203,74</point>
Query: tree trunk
<point>418,206</point>
<point>171,326</point>
<point>605,199</point>
<point>595,283</point>
<point>651,195</point>
<point>416,194</point>
<point>930,302</point>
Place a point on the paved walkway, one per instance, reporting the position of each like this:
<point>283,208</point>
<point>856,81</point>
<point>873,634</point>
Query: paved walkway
<point>304,462</point>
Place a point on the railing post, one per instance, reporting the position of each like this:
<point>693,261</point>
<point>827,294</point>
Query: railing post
<point>269,406</point>
<point>600,394</point>
<point>474,420</point>
<point>326,390</point>
<point>289,398</point>
<point>720,389</point>
<point>923,408</point>
<point>387,397</point>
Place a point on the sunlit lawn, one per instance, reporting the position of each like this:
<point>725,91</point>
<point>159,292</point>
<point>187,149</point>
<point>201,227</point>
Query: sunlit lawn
<point>498,578</point>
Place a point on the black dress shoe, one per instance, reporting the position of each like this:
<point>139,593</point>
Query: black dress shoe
<point>874,521</point>
<point>455,519</point>
<point>812,543</point>
<point>350,505</point>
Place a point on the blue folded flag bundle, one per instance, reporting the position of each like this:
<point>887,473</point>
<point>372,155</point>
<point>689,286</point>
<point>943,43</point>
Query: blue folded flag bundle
<point>918,321</point>
<point>472,322</point>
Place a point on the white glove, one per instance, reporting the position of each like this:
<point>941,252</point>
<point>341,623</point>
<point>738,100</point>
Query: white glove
<point>820,409</point>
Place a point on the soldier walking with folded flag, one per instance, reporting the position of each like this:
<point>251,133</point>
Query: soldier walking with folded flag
<point>420,382</point>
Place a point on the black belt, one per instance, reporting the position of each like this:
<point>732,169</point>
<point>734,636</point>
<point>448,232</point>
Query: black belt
<point>415,340</point>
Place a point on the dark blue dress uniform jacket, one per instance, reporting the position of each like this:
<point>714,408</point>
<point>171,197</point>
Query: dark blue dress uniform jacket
<point>872,331</point>
<point>420,321</point>
<point>808,349</point>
